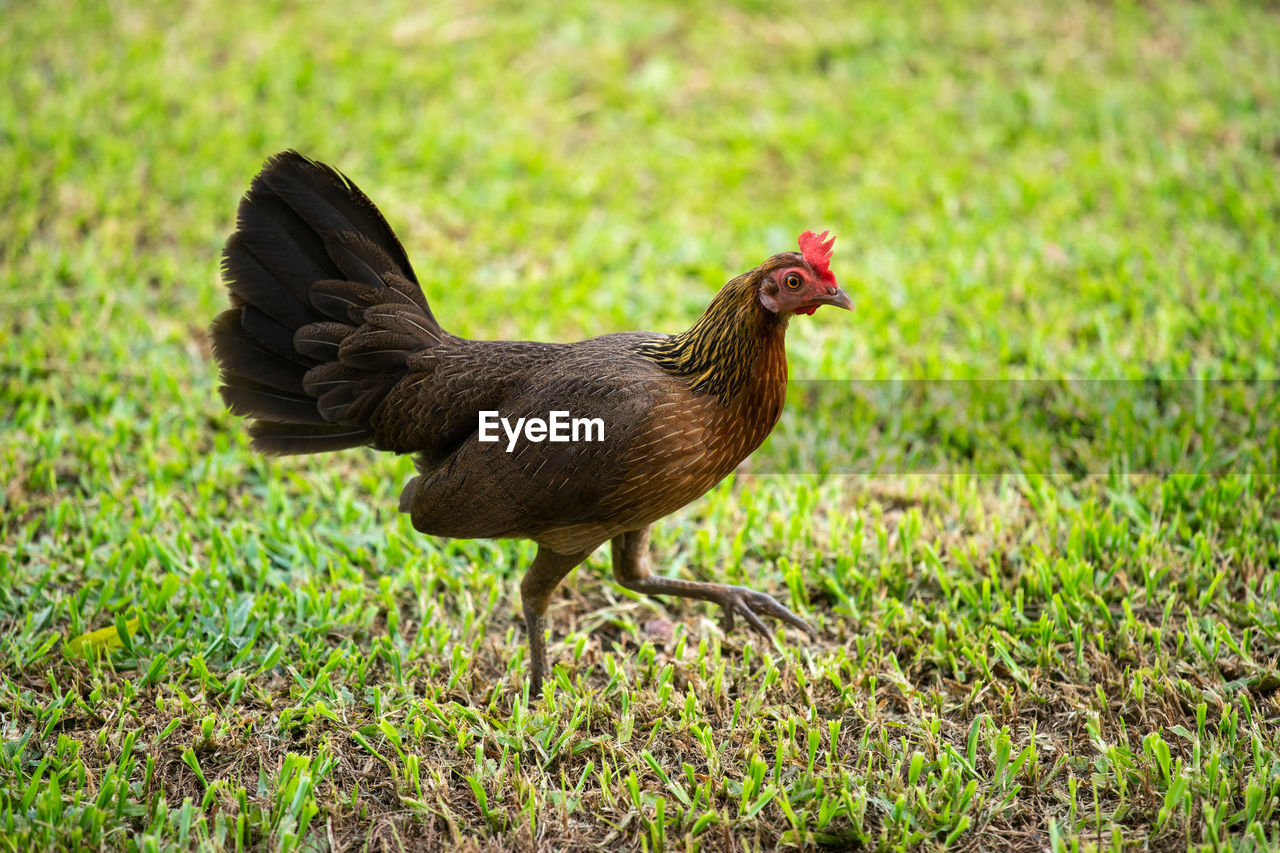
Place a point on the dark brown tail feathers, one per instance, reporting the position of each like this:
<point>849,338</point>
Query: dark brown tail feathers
<point>325,310</point>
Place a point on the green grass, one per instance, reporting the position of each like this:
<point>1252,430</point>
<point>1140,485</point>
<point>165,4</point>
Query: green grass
<point>1075,657</point>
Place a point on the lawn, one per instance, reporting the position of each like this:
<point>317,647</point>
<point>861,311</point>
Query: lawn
<point>1043,566</point>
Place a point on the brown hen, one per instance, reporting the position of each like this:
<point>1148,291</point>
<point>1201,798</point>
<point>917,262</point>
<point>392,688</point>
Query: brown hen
<point>330,344</point>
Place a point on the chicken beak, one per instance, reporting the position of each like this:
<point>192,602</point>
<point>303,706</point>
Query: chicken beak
<point>837,297</point>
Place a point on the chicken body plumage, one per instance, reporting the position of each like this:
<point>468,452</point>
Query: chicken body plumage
<point>330,343</point>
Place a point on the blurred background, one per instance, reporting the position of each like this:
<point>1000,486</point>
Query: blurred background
<point>1046,190</point>
<point>1065,189</point>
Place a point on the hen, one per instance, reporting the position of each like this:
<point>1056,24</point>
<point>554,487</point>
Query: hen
<point>330,343</point>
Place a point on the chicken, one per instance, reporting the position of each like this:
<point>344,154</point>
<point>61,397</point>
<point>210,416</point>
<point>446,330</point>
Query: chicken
<point>330,344</point>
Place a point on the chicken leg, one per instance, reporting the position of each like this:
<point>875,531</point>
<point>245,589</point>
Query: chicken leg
<point>548,569</point>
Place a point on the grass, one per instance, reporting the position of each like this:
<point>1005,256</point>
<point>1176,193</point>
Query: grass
<point>203,648</point>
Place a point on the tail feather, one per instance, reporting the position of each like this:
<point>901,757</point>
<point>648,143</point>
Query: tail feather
<point>321,341</point>
<point>329,202</point>
<point>252,283</point>
<point>243,356</point>
<point>385,341</point>
<point>325,310</point>
<point>335,404</point>
<point>283,243</point>
<point>393,318</point>
<point>267,333</point>
<point>325,377</point>
<point>268,404</point>
<point>347,301</point>
<point>364,262</point>
<point>282,439</point>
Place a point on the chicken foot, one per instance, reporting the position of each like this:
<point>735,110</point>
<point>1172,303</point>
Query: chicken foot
<point>631,569</point>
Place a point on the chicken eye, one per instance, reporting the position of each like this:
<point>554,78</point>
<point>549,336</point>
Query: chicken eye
<point>792,281</point>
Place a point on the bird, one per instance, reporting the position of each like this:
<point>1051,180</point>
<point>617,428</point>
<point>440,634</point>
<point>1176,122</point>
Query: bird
<point>330,343</point>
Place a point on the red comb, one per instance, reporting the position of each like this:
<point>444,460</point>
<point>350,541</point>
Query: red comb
<point>817,250</point>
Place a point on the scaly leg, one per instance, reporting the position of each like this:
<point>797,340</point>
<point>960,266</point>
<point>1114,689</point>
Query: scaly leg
<point>548,569</point>
<point>631,569</point>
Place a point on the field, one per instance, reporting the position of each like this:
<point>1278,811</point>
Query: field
<point>1035,633</point>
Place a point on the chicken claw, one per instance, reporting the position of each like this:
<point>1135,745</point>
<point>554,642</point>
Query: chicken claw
<point>749,604</point>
